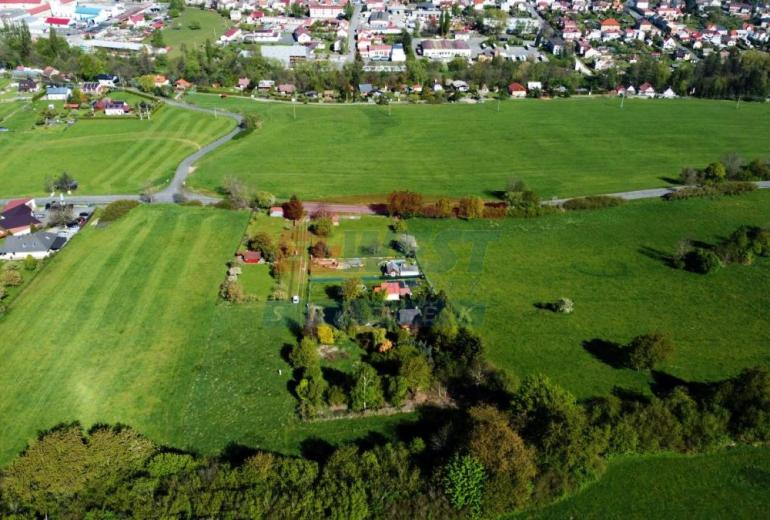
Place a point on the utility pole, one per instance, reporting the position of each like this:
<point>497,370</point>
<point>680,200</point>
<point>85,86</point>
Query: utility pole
<point>622,99</point>
<point>294,107</point>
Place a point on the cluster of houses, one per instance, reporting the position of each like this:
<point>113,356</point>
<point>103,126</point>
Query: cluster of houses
<point>58,87</point>
<point>22,234</point>
<point>112,26</point>
<point>659,26</point>
<point>645,90</point>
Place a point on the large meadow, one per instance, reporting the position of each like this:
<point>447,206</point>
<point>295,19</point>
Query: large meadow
<point>106,156</point>
<point>125,326</point>
<point>561,147</point>
<point>612,264</point>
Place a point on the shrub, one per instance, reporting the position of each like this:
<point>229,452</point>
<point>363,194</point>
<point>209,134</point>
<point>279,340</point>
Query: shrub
<point>11,278</point>
<point>325,334</point>
<point>648,350</point>
<point>399,226</point>
<point>471,208</point>
<point>703,261</point>
<point>263,200</point>
<point>407,244</point>
<point>404,204</point>
<point>335,396</point>
<point>320,250</point>
<point>601,201</point>
<point>322,226</point>
<point>117,209</point>
<point>232,291</point>
<point>30,263</point>
<point>564,306</point>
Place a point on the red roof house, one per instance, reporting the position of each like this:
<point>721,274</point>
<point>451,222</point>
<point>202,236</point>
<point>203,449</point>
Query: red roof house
<point>17,217</point>
<point>251,257</point>
<point>517,90</point>
<point>393,290</point>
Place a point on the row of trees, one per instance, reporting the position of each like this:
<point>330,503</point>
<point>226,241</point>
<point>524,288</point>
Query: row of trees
<point>536,444</point>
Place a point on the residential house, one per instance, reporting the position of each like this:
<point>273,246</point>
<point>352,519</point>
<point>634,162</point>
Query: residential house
<point>57,93</point>
<point>251,257</point>
<point>18,217</point>
<point>286,89</point>
<point>37,245</point>
<point>302,35</point>
<point>161,81</point>
<point>517,90</point>
<point>277,211</point>
<point>28,85</point>
<point>92,88</point>
<point>409,318</point>
<point>534,85</point>
<point>393,291</point>
<point>182,84</point>
<point>231,35</point>
<point>401,268</point>
<point>326,10</point>
<point>243,83</point>
<point>265,84</point>
<point>107,80</point>
<point>646,90</point>
<point>668,94</point>
<point>445,49</point>
<point>116,108</point>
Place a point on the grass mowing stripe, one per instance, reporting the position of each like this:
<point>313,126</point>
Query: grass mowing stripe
<point>47,356</point>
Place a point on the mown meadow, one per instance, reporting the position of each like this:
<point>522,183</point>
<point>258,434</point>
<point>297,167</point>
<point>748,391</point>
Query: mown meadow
<point>560,147</point>
<point>104,156</point>
<point>125,326</point>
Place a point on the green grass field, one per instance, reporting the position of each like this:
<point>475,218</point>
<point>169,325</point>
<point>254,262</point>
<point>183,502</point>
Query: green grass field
<point>729,484</point>
<point>125,326</point>
<point>105,156</point>
<point>560,147</point>
<point>607,262</point>
<point>178,32</point>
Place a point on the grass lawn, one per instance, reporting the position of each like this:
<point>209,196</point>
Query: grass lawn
<point>256,280</point>
<point>104,156</point>
<point>608,263</point>
<point>730,484</point>
<point>178,32</point>
<point>125,326</point>
<point>559,147</point>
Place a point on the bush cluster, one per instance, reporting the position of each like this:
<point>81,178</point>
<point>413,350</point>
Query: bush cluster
<point>741,247</point>
<point>716,190</point>
<point>597,202</point>
<point>115,210</point>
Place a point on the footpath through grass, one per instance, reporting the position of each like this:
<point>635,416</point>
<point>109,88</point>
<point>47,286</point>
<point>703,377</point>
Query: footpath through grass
<point>125,326</point>
<point>610,263</point>
<point>105,156</point>
<point>729,484</point>
<point>560,147</point>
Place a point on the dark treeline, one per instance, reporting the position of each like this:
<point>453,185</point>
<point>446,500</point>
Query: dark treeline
<point>740,74</point>
<point>524,446</point>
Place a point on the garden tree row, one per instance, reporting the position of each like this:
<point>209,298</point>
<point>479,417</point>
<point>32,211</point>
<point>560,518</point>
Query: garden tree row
<point>742,74</point>
<point>530,448</point>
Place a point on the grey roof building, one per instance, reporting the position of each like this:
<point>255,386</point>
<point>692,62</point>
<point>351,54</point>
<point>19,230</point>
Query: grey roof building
<point>38,245</point>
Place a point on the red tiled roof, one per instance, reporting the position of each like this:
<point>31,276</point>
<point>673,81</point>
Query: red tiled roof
<point>516,87</point>
<point>51,20</point>
<point>15,203</point>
